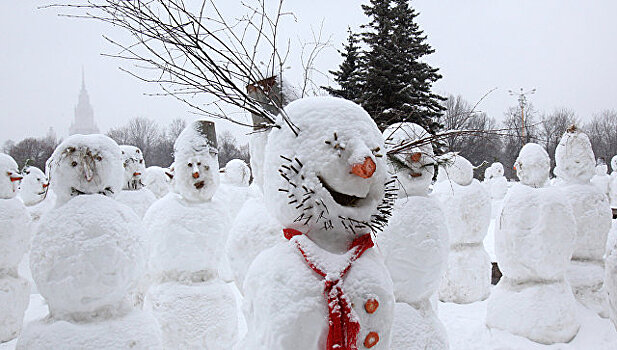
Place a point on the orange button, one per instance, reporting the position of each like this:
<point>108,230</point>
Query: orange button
<point>371,339</point>
<point>371,305</point>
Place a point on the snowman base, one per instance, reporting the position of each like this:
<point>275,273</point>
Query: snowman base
<point>14,299</point>
<point>417,328</point>
<point>544,312</point>
<point>468,275</point>
<point>136,330</point>
<point>587,281</point>
<point>195,316</point>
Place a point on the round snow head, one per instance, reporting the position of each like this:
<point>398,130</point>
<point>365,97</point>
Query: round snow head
<point>330,176</point>
<point>533,165</point>
<point>134,167</point>
<point>196,169</point>
<point>33,186</point>
<point>497,169</point>
<point>413,167</point>
<point>9,176</point>
<point>601,169</point>
<point>614,163</point>
<point>574,157</point>
<point>457,169</point>
<point>488,173</point>
<point>237,173</point>
<point>157,180</point>
<point>86,164</point>
<point>87,256</point>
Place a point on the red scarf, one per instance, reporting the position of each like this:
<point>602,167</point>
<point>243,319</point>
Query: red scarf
<point>343,327</point>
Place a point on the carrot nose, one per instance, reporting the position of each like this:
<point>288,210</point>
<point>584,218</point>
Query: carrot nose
<point>16,178</point>
<point>136,174</point>
<point>195,175</point>
<point>415,157</point>
<point>364,170</point>
<point>45,185</point>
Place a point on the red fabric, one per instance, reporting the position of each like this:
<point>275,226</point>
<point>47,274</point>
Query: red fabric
<point>343,327</point>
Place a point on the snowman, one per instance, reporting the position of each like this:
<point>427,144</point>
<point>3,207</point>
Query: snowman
<point>498,182</point>
<point>488,176</point>
<point>534,242</point>
<point>134,194</point>
<point>415,243</point>
<point>87,255</point>
<point>235,185</point>
<point>33,186</point>
<point>468,207</point>
<point>601,179</point>
<point>575,167</point>
<point>14,240</point>
<point>187,229</point>
<point>612,186</point>
<point>325,287</point>
<point>157,180</point>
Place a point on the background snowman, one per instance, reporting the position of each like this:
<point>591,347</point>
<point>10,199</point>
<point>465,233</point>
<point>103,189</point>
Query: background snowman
<point>134,194</point>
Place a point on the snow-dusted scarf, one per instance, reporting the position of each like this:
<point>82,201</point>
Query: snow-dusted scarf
<point>343,326</point>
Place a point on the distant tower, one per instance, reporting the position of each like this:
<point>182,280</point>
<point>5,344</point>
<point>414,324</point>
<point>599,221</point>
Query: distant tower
<point>84,115</point>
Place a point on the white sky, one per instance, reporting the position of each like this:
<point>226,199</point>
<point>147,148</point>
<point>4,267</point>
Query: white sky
<point>565,49</point>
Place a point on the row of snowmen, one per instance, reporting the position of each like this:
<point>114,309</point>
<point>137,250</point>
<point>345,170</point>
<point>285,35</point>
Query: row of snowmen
<point>300,244</point>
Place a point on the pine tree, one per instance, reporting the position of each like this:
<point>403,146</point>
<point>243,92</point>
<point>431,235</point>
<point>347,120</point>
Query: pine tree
<point>348,75</point>
<point>396,84</point>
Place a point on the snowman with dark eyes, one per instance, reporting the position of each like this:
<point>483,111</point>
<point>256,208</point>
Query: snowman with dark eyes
<point>134,193</point>
<point>187,230</point>
<point>14,240</point>
<point>33,186</point>
<point>415,242</point>
<point>326,286</point>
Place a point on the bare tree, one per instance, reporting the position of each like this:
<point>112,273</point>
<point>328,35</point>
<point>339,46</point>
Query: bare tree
<point>31,150</point>
<point>602,132</point>
<point>552,127</point>
<point>229,149</point>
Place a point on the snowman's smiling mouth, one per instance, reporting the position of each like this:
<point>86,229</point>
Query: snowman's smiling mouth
<point>341,198</point>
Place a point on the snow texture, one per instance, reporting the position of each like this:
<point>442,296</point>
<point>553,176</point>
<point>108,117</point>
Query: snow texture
<point>139,200</point>
<point>33,186</point>
<point>467,211</point>
<point>532,165</point>
<point>157,180</point>
<point>456,169</point>
<point>14,298</point>
<point>610,281</point>
<point>574,158</point>
<point>85,164</point>
<point>285,306</point>
<point>237,173</point>
<point>417,328</point>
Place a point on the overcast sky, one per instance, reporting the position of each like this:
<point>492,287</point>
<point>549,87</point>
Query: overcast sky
<point>565,49</point>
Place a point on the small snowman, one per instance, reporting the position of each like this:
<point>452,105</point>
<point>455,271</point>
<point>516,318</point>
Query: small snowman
<point>498,182</point>
<point>601,179</point>
<point>325,286</point>
<point>415,243</point>
<point>14,241</point>
<point>157,180</point>
<point>87,255</point>
<point>534,242</point>
<point>468,212</point>
<point>187,230</point>
<point>134,194</point>
<point>33,186</point>
<point>612,186</point>
<point>575,163</point>
<point>235,185</point>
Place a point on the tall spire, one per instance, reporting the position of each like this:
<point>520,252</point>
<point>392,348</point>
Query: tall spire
<point>84,115</point>
<point>83,78</point>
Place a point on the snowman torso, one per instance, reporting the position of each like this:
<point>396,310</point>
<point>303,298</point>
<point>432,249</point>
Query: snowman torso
<point>138,200</point>
<point>14,232</point>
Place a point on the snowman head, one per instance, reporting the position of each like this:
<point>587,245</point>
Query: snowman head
<point>413,168</point>
<point>157,180</point>
<point>237,173</point>
<point>456,169</point>
<point>497,169</point>
<point>196,169</point>
<point>33,186</point>
<point>85,164</point>
<point>574,157</point>
<point>134,167</point>
<point>614,163</point>
<point>488,173</point>
<point>601,167</point>
<point>9,177</point>
<point>330,178</point>
<point>533,165</point>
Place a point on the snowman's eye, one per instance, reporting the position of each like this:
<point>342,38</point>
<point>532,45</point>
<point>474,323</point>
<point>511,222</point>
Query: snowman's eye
<point>141,161</point>
<point>190,165</point>
<point>73,163</point>
<point>198,163</point>
<point>99,158</point>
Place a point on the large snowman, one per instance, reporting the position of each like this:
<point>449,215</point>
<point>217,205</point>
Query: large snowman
<point>134,193</point>
<point>534,242</point>
<point>575,165</point>
<point>415,243</point>
<point>14,240</point>
<point>87,255</point>
<point>187,229</point>
<point>325,287</point>
<point>468,207</point>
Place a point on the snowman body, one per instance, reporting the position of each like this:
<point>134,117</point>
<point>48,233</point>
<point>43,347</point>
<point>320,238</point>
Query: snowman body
<point>467,209</point>
<point>14,243</point>
<point>88,255</point>
<point>534,242</point>
<point>324,184</point>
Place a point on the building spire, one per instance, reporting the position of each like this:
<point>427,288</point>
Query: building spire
<point>83,78</point>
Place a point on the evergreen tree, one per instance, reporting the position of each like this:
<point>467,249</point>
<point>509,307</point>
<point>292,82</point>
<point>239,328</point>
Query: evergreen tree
<point>396,84</point>
<point>348,75</point>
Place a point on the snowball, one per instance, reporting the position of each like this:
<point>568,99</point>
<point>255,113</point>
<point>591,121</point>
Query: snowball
<point>9,177</point>
<point>138,200</point>
<point>457,170</point>
<point>414,167</point>
<point>87,257</point>
<point>157,180</point>
<point>134,167</point>
<point>85,164</point>
<point>574,157</point>
<point>237,173</point>
<point>14,299</point>
<point>33,186</point>
<point>532,165</point>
